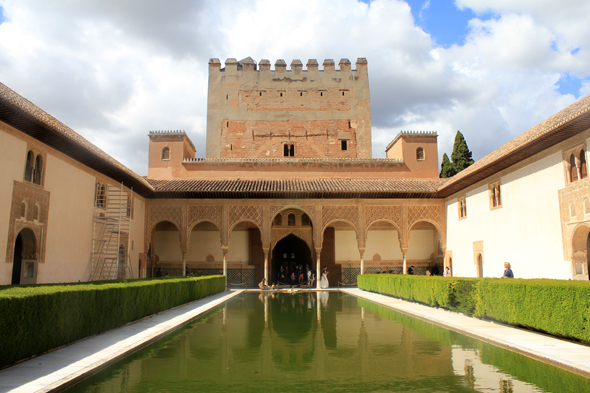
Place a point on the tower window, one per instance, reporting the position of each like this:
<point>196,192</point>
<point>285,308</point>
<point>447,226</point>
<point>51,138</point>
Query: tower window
<point>166,153</point>
<point>289,150</point>
<point>344,144</point>
<point>281,94</point>
<point>420,154</point>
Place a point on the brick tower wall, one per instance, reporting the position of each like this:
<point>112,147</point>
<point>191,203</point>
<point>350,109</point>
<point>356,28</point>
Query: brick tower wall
<point>254,113</point>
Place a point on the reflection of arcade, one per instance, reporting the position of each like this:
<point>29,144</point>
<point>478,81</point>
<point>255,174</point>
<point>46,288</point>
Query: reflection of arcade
<point>289,253</point>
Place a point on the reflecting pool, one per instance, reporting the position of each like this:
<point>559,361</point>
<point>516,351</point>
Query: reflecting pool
<point>323,342</point>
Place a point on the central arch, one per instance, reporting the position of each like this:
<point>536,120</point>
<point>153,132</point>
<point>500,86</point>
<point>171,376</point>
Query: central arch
<point>290,252</point>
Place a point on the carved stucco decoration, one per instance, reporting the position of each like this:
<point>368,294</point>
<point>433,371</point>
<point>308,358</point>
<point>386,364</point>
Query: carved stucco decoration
<point>310,210</point>
<point>425,213</point>
<point>390,213</point>
<point>159,213</point>
<point>347,213</point>
<point>249,213</point>
<point>37,213</point>
<point>205,213</point>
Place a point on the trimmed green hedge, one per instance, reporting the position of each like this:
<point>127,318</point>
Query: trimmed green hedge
<point>38,318</point>
<point>557,307</point>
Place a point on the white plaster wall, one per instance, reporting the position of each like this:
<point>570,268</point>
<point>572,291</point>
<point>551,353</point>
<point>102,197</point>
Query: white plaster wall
<point>346,246</point>
<point>526,231</point>
<point>69,226</point>
<point>238,247</point>
<point>421,244</point>
<point>13,152</point>
<point>203,243</point>
<point>384,243</point>
<point>167,246</point>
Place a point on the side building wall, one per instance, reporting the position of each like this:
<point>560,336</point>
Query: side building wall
<point>525,228</point>
<point>58,212</point>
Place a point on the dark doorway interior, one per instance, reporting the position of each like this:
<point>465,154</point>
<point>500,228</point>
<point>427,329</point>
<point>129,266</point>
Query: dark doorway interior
<point>17,260</point>
<point>289,253</point>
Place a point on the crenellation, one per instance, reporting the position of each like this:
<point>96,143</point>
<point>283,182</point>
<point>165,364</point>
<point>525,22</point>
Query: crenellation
<point>329,66</point>
<point>344,65</point>
<point>280,66</point>
<point>264,65</point>
<point>248,64</point>
<point>296,66</point>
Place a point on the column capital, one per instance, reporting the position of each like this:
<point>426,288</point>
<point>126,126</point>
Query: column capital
<point>404,250</point>
<point>224,249</point>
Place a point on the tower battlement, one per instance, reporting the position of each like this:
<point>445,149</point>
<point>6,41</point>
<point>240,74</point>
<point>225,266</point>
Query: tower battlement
<point>280,66</point>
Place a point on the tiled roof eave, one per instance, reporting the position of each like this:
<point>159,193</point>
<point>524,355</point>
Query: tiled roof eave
<point>31,120</point>
<point>546,134</point>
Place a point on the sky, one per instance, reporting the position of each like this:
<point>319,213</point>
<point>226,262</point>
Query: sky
<point>114,70</point>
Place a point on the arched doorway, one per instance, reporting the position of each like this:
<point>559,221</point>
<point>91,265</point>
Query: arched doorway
<point>289,253</point>
<point>479,266</point>
<point>24,264</point>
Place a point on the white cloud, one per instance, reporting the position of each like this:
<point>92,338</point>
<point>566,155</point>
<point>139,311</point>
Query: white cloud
<point>114,70</point>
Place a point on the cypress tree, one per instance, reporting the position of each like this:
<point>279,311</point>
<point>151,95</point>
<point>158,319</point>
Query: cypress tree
<point>461,155</point>
<point>447,169</point>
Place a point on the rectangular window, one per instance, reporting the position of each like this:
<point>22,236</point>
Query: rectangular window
<point>495,194</point>
<point>462,208</point>
<point>344,144</point>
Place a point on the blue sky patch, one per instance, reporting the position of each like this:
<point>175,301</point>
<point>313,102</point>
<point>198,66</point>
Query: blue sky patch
<point>2,19</point>
<point>569,84</point>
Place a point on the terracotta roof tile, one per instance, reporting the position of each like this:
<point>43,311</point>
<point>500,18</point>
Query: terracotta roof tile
<point>564,124</point>
<point>27,117</point>
<point>292,188</point>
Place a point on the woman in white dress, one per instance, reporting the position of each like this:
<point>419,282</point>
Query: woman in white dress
<point>324,280</point>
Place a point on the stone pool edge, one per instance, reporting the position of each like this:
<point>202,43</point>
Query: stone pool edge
<point>562,353</point>
<point>59,369</point>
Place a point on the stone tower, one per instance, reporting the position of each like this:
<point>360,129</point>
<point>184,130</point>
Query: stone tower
<point>256,112</point>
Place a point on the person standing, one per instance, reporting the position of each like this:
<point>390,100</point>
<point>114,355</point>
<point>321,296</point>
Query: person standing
<point>507,271</point>
<point>324,280</point>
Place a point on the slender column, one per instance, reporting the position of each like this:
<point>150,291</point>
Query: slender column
<point>265,250</point>
<point>224,250</point>
<point>405,267</point>
<point>183,264</point>
<point>318,252</point>
<point>362,252</point>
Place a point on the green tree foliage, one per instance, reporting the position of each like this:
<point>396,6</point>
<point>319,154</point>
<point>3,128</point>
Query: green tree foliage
<point>447,169</point>
<point>461,158</point>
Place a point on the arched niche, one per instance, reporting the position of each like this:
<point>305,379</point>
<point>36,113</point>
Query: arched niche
<point>383,237</point>
<point>24,264</point>
<point>204,246</point>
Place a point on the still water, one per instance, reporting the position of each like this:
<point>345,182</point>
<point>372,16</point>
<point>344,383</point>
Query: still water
<point>323,342</point>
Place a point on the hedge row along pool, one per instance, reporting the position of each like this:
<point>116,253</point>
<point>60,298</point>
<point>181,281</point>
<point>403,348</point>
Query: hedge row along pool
<point>557,307</point>
<point>38,318</point>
